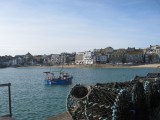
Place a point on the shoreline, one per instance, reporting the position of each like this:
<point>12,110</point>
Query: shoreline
<point>99,66</point>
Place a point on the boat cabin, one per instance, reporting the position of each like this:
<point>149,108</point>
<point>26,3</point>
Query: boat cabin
<point>51,76</point>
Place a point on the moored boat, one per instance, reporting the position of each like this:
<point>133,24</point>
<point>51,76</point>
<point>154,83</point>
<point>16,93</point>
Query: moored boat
<point>62,79</point>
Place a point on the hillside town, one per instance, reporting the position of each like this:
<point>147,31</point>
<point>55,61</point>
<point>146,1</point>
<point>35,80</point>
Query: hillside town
<point>106,55</point>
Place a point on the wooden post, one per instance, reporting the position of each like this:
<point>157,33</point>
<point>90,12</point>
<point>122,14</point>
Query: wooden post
<point>9,97</point>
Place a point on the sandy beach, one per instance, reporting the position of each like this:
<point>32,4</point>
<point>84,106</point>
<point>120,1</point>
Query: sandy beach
<point>102,66</point>
<point>113,66</point>
<point>147,66</point>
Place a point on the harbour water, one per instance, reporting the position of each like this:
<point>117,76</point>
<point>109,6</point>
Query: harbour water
<point>33,100</point>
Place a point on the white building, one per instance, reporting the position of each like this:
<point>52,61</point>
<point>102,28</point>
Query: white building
<point>88,57</point>
<point>84,57</point>
<point>152,54</point>
<point>155,49</point>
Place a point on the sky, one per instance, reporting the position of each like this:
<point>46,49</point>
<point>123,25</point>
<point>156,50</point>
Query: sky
<point>55,26</point>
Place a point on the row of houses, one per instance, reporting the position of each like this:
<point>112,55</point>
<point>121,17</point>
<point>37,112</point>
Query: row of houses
<point>38,60</point>
<point>97,56</point>
<point>119,56</point>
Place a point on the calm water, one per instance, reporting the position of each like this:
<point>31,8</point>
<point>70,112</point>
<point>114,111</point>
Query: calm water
<point>32,100</point>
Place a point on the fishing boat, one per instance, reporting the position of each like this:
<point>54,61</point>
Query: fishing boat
<point>63,78</point>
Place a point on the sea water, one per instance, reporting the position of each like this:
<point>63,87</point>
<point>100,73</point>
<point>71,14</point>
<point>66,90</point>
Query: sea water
<point>33,100</point>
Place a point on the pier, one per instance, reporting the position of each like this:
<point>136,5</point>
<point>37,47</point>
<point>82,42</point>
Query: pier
<point>63,116</point>
<point>6,118</point>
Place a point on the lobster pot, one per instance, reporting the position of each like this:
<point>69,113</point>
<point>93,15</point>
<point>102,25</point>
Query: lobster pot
<point>156,85</point>
<point>76,102</point>
<point>152,93</point>
<point>139,101</point>
<point>131,100</point>
<point>99,103</point>
<point>155,94</point>
<point>148,92</point>
<point>107,104</point>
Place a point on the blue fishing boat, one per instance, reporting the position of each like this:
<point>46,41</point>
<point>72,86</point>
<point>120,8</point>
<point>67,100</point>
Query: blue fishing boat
<point>63,78</point>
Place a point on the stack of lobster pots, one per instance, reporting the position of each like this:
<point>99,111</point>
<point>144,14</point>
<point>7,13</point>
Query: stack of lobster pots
<point>138,99</point>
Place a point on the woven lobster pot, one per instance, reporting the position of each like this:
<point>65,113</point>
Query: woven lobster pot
<point>76,102</point>
<point>134,100</point>
<point>99,103</point>
<point>155,94</point>
<point>148,92</point>
<point>104,104</point>
<point>139,102</point>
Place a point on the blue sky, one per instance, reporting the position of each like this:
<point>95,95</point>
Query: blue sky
<point>55,26</point>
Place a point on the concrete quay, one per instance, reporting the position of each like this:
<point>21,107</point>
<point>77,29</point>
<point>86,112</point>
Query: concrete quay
<point>6,118</point>
<point>63,116</point>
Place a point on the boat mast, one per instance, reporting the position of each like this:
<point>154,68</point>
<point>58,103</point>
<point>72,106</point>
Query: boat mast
<point>62,61</point>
